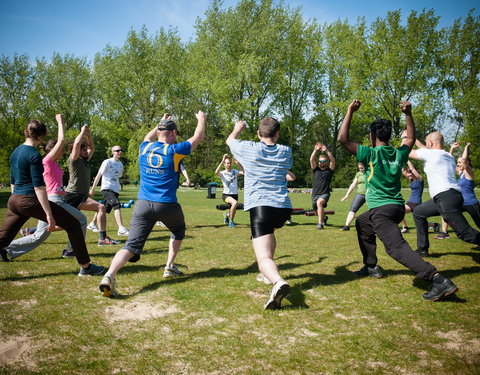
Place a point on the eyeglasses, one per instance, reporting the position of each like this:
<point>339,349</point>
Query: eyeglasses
<point>118,150</point>
<point>323,161</point>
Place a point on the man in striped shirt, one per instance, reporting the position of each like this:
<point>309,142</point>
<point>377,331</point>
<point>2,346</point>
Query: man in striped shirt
<point>266,166</point>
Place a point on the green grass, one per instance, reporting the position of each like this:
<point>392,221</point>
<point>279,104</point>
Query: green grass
<point>212,320</point>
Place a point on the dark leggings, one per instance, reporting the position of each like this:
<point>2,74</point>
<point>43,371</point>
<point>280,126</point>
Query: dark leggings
<point>23,207</point>
<point>265,219</point>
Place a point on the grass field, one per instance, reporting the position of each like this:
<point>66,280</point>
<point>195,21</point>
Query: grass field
<point>212,321</point>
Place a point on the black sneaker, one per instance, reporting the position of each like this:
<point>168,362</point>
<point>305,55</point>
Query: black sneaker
<point>375,272</point>
<point>423,253</point>
<point>68,254</point>
<point>345,228</point>
<point>4,255</point>
<point>440,290</point>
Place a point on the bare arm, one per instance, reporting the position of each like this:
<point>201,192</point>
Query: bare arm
<point>199,133</point>
<point>331,157</point>
<point>453,147</point>
<point>217,171</point>
<point>95,183</point>
<point>468,168</point>
<point>291,176</point>
<point>350,189</point>
<point>239,127</point>
<point>240,167</point>
<point>77,143</point>
<point>90,144</point>
<point>406,108</point>
<point>343,134</point>
<point>57,150</point>
<point>313,161</point>
<point>152,134</point>
<point>42,197</point>
<point>417,175</point>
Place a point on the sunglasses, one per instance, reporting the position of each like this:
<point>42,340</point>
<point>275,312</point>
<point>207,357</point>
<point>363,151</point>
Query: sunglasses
<point>323,161</point>
<point>118,150</point>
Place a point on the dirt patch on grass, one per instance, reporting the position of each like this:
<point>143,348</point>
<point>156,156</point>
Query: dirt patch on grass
<point>138,311</point>
<point>459,340</point>
<point>208,322</point>
<point>16,350</point>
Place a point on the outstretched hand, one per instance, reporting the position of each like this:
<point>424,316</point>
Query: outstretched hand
<point>406,107</point>
<point>201,116</point>
<point>240,126</point>
<point>318,146</point>
<point>355,105</point>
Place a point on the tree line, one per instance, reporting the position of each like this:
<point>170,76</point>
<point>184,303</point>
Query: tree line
<point>248,61</point>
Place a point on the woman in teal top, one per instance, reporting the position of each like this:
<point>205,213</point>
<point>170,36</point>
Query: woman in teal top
<point>359,200</point>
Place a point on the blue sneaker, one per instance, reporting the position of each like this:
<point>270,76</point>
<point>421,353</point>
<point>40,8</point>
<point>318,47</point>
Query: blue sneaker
<point>231,224</point>
<point>226,220</point>
<point>92,270</point>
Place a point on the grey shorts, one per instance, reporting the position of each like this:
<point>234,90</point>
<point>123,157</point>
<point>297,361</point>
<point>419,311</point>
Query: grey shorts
<point>357,202</point>
<point>315,198</point>
<point>145,215</point>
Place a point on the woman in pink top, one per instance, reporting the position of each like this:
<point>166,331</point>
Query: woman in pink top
<point>53,176</point>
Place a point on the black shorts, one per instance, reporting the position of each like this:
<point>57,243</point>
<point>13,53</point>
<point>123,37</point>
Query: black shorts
<point>111,200</point>
<point>412,205</point>
<point>75,200</point>
<point>225,196</point>
<point>265,219</point>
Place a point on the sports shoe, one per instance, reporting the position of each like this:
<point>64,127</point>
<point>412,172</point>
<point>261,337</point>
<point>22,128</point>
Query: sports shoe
<point>172,271</point>
<point>108,242</point>
<point>123,231</point>
<point>231,224</point>
<point>226,220</point>
<point>93,227</point>
<point>108,286</point>
<point>289,222</point>
<point>68,254</point>
<point>160,224</point>
<point>405,230</point>
<point>345,228</point>
<point>423,253</point>
<point>375,272</point>
<point>263,279</point>
<point>319,226</point>
<point>435,227</point>
<point>440,289</point>
<point>442,236</point>
<point>4,255</point>
<point>279,291</point>
<point>92,270</point>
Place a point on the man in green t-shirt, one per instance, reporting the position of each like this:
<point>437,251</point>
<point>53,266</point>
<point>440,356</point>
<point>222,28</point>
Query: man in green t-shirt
<point>386,207</point>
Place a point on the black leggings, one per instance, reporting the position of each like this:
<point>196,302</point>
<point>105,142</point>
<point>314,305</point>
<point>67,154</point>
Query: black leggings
<point>265,219</point>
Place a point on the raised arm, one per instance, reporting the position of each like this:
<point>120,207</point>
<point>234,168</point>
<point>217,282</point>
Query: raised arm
<point>313,156</point>
<point>217,171</point>
<point>417,175</point>
<point>199,133</point>
<point>152,134</point>
<point>330,156</point>
<point>240,167</point>
<point>57,150</point>
<point>453,147</point>
<point>90,144</point>
<point>343,134</point>
<point>77,143</point>
<point>238,128</point>
<point>465,158</point>
<point>406,108</point>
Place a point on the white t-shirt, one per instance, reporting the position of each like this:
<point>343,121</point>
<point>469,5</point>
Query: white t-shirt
<point>229,180</point>
<point>112,171</point>
<point>440,169</point>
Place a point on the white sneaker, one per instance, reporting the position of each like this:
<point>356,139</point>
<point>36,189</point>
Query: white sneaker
<point>279,291</point>
<point>108,286</point>
<point>123,231</point>
<point>171,272</point>
<point>263,279</point>
<point>93,227</point>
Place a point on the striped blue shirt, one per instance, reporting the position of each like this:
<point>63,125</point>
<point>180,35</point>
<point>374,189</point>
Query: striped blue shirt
<point>265,169</point>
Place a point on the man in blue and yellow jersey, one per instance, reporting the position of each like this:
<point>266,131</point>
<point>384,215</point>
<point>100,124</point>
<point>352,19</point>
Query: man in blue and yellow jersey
<point>159,162</point>
<point>386,207</point>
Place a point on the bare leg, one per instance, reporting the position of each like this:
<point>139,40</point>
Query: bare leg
<point>119,260</point>
<point>321,211</point>
<point>264,248</point>
<point>173,248</point>
<point>233,207</point>
<point>350,217</point>
<point>118,218</point>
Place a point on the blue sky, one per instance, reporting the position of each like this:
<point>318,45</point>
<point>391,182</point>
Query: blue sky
<point>39,28</point>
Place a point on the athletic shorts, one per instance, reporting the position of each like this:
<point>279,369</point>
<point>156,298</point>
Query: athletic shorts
<point>74,199</point>
<point>265,219</point>
<point>315,198</point>
<point>412,205</point>
<point>357,202</point>
<point>225,196</point>
<point>111,200</point>
<point>145,215</point>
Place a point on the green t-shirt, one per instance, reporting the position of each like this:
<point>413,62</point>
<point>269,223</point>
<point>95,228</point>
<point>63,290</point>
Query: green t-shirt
<point>79,181</point>
<point>383,166</point>
<point>361,182</point>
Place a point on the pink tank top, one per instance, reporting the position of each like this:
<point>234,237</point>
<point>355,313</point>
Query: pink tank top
<point>53,176</point>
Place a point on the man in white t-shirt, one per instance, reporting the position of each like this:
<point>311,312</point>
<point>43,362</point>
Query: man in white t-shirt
<point>230,187</point>
<point>447,199</point>
<point>110,172</point>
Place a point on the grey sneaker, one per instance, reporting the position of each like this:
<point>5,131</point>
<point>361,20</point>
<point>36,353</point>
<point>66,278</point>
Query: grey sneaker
<point>319,226</point>
<point>440,289</point>
<point>375,272</point>
<point>108,286</point>
<point>172,271</point>
<point>279,291</point>
<point>92,270</point>
<point>263,279</point>
<point>123,231</point>
<point>68,254</point>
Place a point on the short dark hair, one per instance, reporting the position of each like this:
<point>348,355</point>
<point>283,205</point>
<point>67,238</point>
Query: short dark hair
<point>382,129</point>
<point>50,145</point>
<point>35,129</point>
<point>269,127</point>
